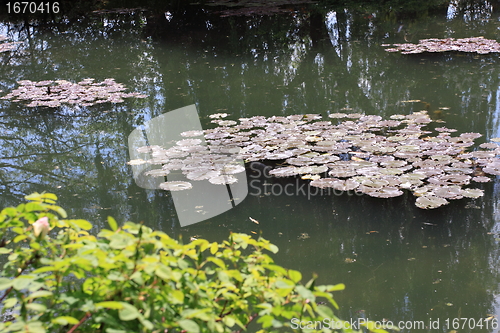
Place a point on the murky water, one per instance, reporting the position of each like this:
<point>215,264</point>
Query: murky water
<point>398,262</point>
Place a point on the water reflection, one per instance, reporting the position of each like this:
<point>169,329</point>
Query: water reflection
<point>398,262</point>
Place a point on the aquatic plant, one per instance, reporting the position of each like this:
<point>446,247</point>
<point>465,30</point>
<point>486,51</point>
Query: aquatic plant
<point>377,157</point>
<point>55,93</point>
<point>479,45</point>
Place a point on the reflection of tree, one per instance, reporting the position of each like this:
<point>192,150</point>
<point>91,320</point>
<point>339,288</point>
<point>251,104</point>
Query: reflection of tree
<point>59,150</point>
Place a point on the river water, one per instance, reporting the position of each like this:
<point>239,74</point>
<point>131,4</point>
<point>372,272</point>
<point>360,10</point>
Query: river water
<point>399,262</point>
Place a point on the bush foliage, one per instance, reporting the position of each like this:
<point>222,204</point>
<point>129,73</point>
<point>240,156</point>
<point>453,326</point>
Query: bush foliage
<point>135,279</point>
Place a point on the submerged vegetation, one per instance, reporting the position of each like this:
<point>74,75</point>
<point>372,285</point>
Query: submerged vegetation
<point>59,278</point>
<point>366,153</point>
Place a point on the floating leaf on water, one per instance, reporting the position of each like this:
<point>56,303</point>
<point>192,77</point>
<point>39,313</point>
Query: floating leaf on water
<point>136,162</point>
<point>375,183</point>
<point>323,182</point>
<point>384,192</point>
<point>85,93</point>
<point>312,116</point>
<point>202,174</point>
<point>454,179</point>
<point>444,129</point>
<point>231,169</point>
<point>472,193</point>
<point>157,173</point>
<point>227,123</point>
<point>188,142</point>
<point>479,45</point>
<point>192,133</point>
<point>391,171</point>
<point>358,150</point>
<point>342,172</point>
<point>223,180</point>
<point>310,177</point>
<point>278,155</point>
<point>173,164</point>
<point>483,154</point>
<point>175,186</point>
<point>430,202</point>
<point>218,115</point>
<point>481,179</point>
<point>470,135</point>
<point>393,163</point>
<point>337,115</point>
<point>284,172</point>
<point>344,185</point>
<point>449,192</point>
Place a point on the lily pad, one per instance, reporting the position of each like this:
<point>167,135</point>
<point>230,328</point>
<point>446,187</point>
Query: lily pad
<point>175,186</point>
<point>430,202</point>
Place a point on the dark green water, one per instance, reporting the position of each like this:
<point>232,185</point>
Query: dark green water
<point>398,262</point>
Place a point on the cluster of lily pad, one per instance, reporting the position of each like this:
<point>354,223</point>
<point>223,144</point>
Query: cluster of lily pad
<point>7,46</point>
<point>55,93</point>
<point>479,45</point>
<point>365,153</point>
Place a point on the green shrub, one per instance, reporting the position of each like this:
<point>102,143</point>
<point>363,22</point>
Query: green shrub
<point>135,279</point>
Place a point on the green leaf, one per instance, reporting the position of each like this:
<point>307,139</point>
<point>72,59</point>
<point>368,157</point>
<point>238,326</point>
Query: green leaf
<point>189,325</point>
<point>35,327</point>
<point>36,307</point>
<point>33,206</point>
<point>4,250</point>
<point>21,282</point>
<point>164,272</point>
<point>284,284</point>
<point>177,295</point>
<point>34,197</point>
<point>112,223</point>
<point>324,311</point>
<point>110,305</point>
<point>295,276</point>
<point>273,248</point>
<point>276,268</point>
<point>305,293</point>
<point>229,321</point>
<point>119,241</point>
<point>10,211</point>
<point>10,302</point>
<point>129,312</point>
<point>49,197</point>
<point>44,269</point>
<point>218,262</point>
<point>82,224</point>
<point>38,294</point>
<point>59,210</point>
<point>65,320</point>
<point>214,248</point>
<point>18,230</point>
